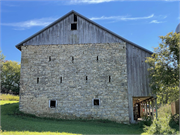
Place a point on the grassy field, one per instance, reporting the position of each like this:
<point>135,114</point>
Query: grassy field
<point>15,123</point>
<point>8,97</point>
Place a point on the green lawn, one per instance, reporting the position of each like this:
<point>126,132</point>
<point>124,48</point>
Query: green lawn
<point>14,123</point>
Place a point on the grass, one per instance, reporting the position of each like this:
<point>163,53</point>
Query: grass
<point>16,123</point>
<point>8,97</point>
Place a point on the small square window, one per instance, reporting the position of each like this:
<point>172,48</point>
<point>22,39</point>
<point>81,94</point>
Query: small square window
<point>52,103</point>
<point>74,26</point>
<point>96,102</point>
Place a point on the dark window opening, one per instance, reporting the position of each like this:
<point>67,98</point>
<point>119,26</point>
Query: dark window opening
<point>97,58</point>
<point>53,103</point>
<point>49,58</point>
<point>72,59</point>
<point>60,79</point>
<point>96,101</point>
<point>37,80</point>
<point>86,78</point>
<point>74,26</point>
<point>109,78</point>
<point>75,18</point>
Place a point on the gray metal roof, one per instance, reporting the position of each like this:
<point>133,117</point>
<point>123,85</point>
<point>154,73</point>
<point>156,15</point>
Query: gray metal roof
<point>18,46</point>
<point>178,28</point>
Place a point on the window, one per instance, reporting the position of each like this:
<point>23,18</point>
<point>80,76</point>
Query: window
<point>38,80</point>
<point>97,58</point>
<point>74,26</point>
<point>49,58</point>
<point>52,103</point>
<point>75,18</point>
<point>96,102</point>
<point>109,78</point>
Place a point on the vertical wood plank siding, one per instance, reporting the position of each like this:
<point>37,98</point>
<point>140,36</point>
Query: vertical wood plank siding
<point>61,33</point>
<point>138,82</point>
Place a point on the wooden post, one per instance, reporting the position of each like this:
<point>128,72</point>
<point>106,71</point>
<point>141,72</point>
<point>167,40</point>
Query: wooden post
<point>146,108</point>
<point>152,109</point>
<point>149,109</point>
<point>156,108</point>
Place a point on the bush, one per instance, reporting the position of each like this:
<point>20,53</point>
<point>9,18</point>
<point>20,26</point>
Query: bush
<point>146,121</point>
<point>162,125</point>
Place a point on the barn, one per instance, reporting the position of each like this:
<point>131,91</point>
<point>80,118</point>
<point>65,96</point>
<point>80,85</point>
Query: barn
<point>75,68</point>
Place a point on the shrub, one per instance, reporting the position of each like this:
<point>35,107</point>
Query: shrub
<point>162,124</point>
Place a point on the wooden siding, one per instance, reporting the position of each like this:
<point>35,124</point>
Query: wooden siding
<point>138,82</point>
<point>61,33</point>
<point>137,74</point>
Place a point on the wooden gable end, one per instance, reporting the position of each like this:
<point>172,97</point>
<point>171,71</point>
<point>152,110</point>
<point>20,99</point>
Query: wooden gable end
<point>61,33</point>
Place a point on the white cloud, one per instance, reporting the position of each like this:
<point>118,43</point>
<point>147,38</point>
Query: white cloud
<point>90,1</point>
<point>155,21</point>
<point>103,1</point>
<point>31,23</point>
<point>121,18</point>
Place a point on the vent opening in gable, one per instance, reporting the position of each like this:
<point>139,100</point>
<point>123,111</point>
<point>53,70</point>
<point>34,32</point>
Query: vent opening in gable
<point>74,26</point>
<point>75,18</point>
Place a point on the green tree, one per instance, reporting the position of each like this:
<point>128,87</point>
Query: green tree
<point>10,76</point>
<point>164,68</point>
<point>2,57</point>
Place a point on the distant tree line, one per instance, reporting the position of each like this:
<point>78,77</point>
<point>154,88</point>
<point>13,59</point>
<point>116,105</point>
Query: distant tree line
<point>10,75</point>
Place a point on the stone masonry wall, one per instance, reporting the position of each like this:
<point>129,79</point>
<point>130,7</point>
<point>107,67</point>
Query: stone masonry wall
<point>74,96</point>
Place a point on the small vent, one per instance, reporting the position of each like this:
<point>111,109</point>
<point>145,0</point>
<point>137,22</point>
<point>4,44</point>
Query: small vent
<point>74,26</point>
<point>72,59</point>
<point>38,80</point>
<point>60,79</point>
<point>86,79</point>
<point>97,58</point>
<point>109,78</point>
<point>49,58</point>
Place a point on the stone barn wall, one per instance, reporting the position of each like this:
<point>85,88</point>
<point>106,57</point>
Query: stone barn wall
<point>74,76</point>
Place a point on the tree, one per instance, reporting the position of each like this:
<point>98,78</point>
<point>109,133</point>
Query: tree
<point>164,68</point>
<point>10,76</point>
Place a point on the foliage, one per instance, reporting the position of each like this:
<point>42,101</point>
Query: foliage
<point>162,125</point>
<point>18,124</point>
<point>10,77</point>
<point>164,68</point>
<point>9,97</point>
<point>146,121</point>
<point>2,57</point>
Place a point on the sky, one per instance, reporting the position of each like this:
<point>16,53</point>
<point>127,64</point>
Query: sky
<point>141,22</point>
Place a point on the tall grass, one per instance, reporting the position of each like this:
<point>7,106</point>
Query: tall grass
<point>9,97</point>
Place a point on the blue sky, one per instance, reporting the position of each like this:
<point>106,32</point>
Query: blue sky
<point>140,22</point>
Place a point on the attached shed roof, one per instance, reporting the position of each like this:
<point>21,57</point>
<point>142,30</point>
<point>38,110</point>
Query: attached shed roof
<point>18,46</point>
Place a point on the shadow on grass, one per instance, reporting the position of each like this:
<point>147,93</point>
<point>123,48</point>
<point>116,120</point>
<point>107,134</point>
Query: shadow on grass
<point>14,120</point>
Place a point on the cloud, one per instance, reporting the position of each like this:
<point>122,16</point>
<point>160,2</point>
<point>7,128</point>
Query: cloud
<point>121,18</point>
<point>90,1</point>
<point>31,23</point>
<point>155,21</point>
<point>103,1</point>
